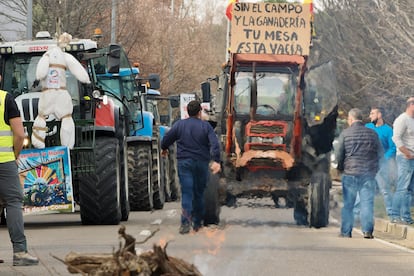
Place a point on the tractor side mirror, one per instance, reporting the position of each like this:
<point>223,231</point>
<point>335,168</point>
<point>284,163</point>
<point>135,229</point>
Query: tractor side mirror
<point>206,91</point>
<point>114,58</point>
<point>174,101</point>
<point>154,80</point>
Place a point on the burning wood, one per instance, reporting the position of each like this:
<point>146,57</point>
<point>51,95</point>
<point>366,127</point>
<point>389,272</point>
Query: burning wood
<point>125,262</point>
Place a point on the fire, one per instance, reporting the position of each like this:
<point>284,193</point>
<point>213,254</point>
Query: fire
<point>164,240</point>
<point>215,239</point>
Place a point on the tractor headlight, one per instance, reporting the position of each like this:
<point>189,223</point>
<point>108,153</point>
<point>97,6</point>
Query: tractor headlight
<point>277,140</point>
<point>96,94</point>
<point>255,139</point>
<point>5,50</point>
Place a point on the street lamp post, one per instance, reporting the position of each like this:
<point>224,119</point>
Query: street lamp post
<point>29,23</point>
<point>113,21</point>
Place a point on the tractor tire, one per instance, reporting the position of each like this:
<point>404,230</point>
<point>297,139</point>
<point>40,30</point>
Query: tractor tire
<point>318,200</point>
<point>158,174</point>
<point>173,174</point>
<point>3,216</point>
<point>100,192</point>
<point>166,165</point>
<point>212,206</point>
<point>125,207</point>
<point>300,212</point>
<point>315,172</point>
<point>140,177</point>
<point>121,135</point>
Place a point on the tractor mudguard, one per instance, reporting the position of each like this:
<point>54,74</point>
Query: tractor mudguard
<point>105,116</point>
<point>163,131</point>
<point>148,125</point>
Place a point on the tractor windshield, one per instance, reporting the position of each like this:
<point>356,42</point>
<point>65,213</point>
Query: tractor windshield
<point>121,84</point>
<point>321,95</point>
<point>19,76</point>
<point>274,93</point>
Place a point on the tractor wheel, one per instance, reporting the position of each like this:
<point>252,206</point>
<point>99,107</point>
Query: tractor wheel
<point>100,192</point>
<point>125,208</point>
<point>158,174</point>
<point>300,213</point>
<point>211,201</point>
<point>140,177</point>
<point>166,165</point>
<point>318,200</point>
<point>173,174</point>
<point>316,172</point>
<point>3,216</point>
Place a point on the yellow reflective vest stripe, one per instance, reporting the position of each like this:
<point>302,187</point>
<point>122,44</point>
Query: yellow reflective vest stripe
<point>6,134</point>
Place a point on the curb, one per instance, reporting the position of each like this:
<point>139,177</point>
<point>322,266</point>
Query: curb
<point>396,230</point>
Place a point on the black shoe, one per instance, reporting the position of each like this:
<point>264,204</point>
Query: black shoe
<point>184,229</point>
<point>197,227</point>
<point>407,222</point>
<point>368,235</point>
<point>341,235</point>
<point>1,261</point>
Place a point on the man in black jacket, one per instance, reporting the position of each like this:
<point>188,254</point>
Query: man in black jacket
<point>358,153</point>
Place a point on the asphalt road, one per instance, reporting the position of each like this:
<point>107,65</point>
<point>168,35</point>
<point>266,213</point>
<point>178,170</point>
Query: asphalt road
<point>253,239</point>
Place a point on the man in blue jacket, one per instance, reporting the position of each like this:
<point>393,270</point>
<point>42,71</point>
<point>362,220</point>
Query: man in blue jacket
<point>197,145</point>
<point>358,153</point>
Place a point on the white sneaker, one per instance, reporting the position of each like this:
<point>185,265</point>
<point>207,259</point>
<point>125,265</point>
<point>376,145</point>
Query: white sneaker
<point>24,259</point>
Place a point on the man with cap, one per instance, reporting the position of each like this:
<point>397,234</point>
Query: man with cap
<point>404,141</point>
<point>197,145</point>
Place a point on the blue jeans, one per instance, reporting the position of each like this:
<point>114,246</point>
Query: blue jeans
<point>11,192</point>
<point>401,201</point>
<point>386,177</point>
<point>193,175</point>
<point>365,187</point>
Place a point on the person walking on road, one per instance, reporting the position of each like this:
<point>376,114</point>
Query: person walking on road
<point>11,191</point>
<point>404,140</point>
<point>358,153</point>
<point>197,144</point>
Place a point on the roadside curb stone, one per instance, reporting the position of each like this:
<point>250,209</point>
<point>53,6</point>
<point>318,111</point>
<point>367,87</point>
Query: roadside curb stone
<point>396,233</point>
<point>399,234</point>
<point>397,230</point>
<point>410,234</point>
<point>381,225</point>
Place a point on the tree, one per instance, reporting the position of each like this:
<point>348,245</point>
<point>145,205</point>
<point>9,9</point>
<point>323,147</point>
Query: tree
<point>371,43</point>
<point>183,46</point>
<point>77,17</point>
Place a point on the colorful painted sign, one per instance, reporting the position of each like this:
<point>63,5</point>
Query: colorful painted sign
<point>45,175</point>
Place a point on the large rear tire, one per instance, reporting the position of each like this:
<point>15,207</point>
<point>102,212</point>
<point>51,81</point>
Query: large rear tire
<point>100,192</point>
<point>125,207</point>
<point>3,216</point>
<point>318,200</point>
<point>140,177</point>
<point>166,165</point>
<point>211,201</point>
<point>158,174</point>
<point>173,174</point>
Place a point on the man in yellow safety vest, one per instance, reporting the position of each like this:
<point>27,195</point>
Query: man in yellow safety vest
<point>11,191</point>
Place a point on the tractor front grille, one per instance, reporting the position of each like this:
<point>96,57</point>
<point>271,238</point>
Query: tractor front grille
<point>260,129</point>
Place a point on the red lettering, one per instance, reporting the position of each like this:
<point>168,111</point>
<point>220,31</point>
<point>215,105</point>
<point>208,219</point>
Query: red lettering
<point>38,48</point>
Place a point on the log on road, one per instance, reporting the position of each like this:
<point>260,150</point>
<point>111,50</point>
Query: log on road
<point>125,262</point>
